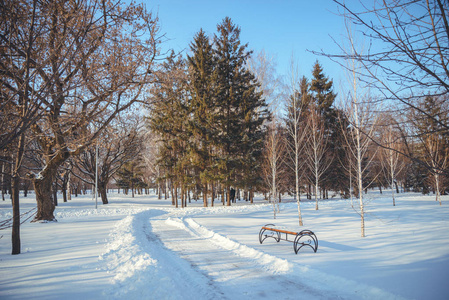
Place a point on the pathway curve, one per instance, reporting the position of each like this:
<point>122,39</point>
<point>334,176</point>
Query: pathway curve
<point>230,266</point>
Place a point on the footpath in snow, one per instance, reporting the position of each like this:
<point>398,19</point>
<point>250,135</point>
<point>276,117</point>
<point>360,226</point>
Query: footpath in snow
<point>176,258</point>
<point>144,249</point>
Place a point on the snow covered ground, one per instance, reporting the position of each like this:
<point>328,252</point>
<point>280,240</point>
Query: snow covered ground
<point>142,248</point>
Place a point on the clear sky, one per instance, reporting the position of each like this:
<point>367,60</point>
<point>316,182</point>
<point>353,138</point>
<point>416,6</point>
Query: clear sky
<point>280,27</point>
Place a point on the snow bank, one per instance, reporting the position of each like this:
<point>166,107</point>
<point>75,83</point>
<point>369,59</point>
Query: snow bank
<point>270,263</point>
<point>126,258</point>
<point>145,269</point>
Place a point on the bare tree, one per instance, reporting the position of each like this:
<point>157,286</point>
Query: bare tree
<point>408,55</point>
<point>94,58</point>
<point>431,138</point>
<point>150,155</point>
<point>390,158</point>
<point>117,145</point>
<point>316,149</point>
<point>437,159</point>
<point>263,66</point>
<point>361,116</point>
<point>21,31</point>
<point>273,157</point>
<point>295,124</point>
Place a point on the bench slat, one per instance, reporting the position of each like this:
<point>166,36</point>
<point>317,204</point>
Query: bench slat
<point>279,230</point>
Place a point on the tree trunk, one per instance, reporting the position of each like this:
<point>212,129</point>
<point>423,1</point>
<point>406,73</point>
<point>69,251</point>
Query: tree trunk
<point>69,187</point>
<point>392,191</point>
<point>44,197</point>
<point>182,195</point>
<point>176,196</point>
<point>205,195</point>
<point>64,193</point>
<point>25,192</point>
<point>213,193</point>
<point>103,193</point>
<point>15,235</point>
<point>2,183</point>
<point>55,193</point>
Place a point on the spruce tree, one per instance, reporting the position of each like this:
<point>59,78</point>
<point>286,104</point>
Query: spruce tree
<point>202,111</point>
<point>168,117</point>
<point>241,108</point>
<point>322,89</point>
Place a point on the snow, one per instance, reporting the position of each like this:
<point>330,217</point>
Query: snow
<point>143,248</point>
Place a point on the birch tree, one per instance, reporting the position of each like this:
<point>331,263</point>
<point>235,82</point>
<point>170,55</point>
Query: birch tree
<point>391,159</point>
<point>295,123</point>
<point>273,158</point>
<point>359,114</point>
<point>316,149</point>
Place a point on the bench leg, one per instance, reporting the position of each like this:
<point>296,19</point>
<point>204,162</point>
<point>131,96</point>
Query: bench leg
<point>263,235</point>
<point>305,238</point>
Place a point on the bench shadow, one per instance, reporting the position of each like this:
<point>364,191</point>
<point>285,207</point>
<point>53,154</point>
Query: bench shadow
<point>336,246</point>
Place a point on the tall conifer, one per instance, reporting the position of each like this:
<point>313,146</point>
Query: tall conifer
<point>202,108</point>
<point>242,110</point>
<point>321,88</point>
<point>168,116</point>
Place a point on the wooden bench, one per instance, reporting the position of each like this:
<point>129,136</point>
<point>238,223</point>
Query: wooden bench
<point>299,239</point>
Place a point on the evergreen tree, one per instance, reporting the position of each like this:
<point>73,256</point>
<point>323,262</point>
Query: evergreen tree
<point>202,111</point>
<point>168,117</point>
<point>129,177</point>
<point>241,108</point>
<point>321,88</point>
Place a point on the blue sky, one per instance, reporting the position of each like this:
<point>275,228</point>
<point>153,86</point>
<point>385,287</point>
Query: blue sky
<point>281,28</point>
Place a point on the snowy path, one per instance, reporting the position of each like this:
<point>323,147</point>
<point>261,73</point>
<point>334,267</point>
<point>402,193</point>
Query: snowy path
<point>236,271</point>
<point>240,276</point>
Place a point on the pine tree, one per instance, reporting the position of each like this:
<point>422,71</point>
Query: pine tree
<point>168,117</point>
<point>242,109</point>
<point>129,177</point>
<point>202,110</point>
<point>321,88</point>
